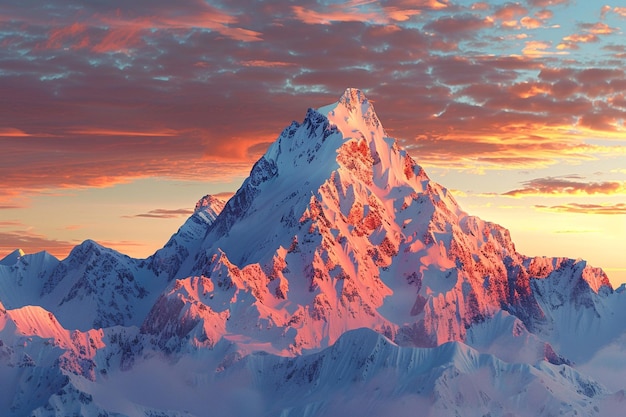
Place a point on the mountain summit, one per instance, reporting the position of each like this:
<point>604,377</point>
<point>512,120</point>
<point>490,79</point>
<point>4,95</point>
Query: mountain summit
<point>338,270</point>
<point>338,228</point>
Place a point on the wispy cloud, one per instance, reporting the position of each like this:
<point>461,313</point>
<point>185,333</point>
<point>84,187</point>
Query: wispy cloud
<point>164,214</point>
<point>570,185</point>
<point>607,209</point>
<point>125,133</point>
<point>31,242</point>
<point>8,132</point>
<point>226,195</point>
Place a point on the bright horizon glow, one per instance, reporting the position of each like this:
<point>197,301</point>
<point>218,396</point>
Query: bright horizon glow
<point>120,116</point>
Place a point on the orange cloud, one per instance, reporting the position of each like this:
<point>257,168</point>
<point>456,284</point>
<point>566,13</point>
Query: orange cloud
<point>581,38</point>
<point>530,23</point>
<point>39,165</point>
<point>619,100</point>
<point>546,3</point>
<point>544,14</point>
<point>123,31</point>
<point>366,11</point>
<point>480,6</point>
<point>10,132</point>
<point>510,24</point>
<point>131,133</point>
<point>599,28</point>
<point>345,13</point>
<point>529,89</point>
<point>561,186</point>
<point>606,209</point>
<point>74,227</point>
<point>536,49</point>
<point>265,64</point>
<point>401,15</point>
<point>209,18</point>
<point>424,4</point>
<point>572,41</point>
<point>510,11</point>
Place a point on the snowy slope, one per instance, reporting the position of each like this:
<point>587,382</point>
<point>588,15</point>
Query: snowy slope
<point>338,279</point>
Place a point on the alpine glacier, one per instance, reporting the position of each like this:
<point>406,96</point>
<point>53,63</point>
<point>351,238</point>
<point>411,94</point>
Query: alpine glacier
<point>338,279</point>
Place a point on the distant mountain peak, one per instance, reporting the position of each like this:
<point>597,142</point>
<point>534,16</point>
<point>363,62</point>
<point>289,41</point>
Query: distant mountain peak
<point>210,202</point>
<point>353,112</point>
<point>12,257</point>
<point>354,100</point>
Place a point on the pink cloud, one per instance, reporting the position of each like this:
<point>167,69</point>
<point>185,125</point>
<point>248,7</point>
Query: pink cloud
<point>119,40</point>
<point>620,11</point>
<point>401,15</point>
<point>530,23</point>
<point>127,133</point>
<point>599,28</point>
<point>551,186</point>
<point>458,25</point>
<point>605,209</point>
<point>546,3</point>
<point>510,11</point>
<point>482,6</point>
<point>9,132</point>
<point>346,13</point>
<point>581,38</point>
<point>266,64</point>
<point>537,48</point>
<point>544,14</point>
<point>58,37</point>
<point>121,29</point>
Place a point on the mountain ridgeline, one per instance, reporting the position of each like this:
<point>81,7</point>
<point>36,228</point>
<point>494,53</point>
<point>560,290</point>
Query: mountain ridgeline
<point>339,278</point>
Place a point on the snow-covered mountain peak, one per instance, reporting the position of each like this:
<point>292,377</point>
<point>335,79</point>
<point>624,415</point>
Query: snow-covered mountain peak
<point>316,141</point>
<point>352,112</point>
<point>169,258</point>
<point>210,204</point>
<point>341,225</point>
<point>12,257</point>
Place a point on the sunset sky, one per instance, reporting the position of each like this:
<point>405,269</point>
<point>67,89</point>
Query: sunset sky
<point>117,116</point>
